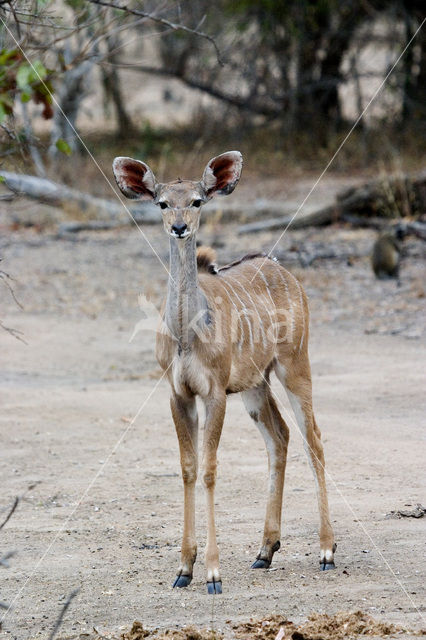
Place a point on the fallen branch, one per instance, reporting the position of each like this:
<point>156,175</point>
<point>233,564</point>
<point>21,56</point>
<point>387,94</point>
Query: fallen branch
<point>372,204</point>
<point>315,219</point>
<point>59,195</point>
<point>94,225</point>
<point>417,229</point>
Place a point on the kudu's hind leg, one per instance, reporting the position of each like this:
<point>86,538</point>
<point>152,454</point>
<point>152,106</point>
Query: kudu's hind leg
<point>263,410</point>
<point>299,390</point>
<point>184,412</point>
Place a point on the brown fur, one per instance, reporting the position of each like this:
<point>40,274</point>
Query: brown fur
<point>250,318</point>
<point>386,255</point>
<point>213,368</point>
<point>206,259</point>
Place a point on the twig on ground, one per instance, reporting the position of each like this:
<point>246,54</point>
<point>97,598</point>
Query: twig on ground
<point>59,619</point>
<point>13,332</point>
<point>10,514</point>
<point>5,277</point>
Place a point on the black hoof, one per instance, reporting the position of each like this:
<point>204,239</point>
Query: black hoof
<point>326,566</point>
<point>214,587</point>
<point>261,564</point>
<point>182,581</point>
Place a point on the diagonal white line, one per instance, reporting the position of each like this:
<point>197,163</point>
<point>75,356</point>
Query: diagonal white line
<point>83,144</point>
<point>84,494</point>
<point>330,477</point>
<point>341,145</point>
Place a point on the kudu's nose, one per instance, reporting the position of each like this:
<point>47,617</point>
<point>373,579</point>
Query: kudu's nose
<point>179,228</point>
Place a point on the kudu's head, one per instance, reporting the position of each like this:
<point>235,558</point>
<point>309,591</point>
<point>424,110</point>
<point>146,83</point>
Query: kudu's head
<point>180,201</point>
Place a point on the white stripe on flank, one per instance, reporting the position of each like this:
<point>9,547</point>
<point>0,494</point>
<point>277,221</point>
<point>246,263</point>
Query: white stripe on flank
<point>302,310</point>
<point>273,318</point>
<point>239,316</point>
<point>254,307</point>
<point>273,321</point>
<point>290,303</point>
<point>303,314</point>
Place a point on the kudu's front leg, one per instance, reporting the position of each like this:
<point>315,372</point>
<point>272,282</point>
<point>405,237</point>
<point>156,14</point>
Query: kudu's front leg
<point>215,414</point>
<point>184,412</point>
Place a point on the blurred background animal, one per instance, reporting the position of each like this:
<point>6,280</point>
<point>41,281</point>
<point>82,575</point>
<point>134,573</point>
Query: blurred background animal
<point>386,255</point>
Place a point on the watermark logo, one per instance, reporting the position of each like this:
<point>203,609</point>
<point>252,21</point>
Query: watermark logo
<point>151,320</point>
<point>250,327</point>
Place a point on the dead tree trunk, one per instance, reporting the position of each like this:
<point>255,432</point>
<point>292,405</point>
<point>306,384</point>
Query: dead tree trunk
<point>384,199</point>
<point>59,195</point>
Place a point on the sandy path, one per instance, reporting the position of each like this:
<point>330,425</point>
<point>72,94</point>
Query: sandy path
<point>64,398</point>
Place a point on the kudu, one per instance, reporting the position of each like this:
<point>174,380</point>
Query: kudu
<point>225,331</point>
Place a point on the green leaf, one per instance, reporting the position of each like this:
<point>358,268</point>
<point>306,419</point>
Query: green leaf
<point>25,96</point>
<point>7,55</point>
<point>7,101</point>
<point>3,113</point>
<point>63,146</point>
<point>39,71</point>
<point>23,76</point>
<point>28,74</point>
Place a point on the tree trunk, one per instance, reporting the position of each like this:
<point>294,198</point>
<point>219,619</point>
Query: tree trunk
<point>69,97</point>
<point>414,99</point>
<point>112,88</point>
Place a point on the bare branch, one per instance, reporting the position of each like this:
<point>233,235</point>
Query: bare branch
<point>163,21</point>
<point>235,101</point>
<point>58,622</point>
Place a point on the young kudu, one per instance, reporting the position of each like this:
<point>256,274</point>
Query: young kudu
<point>224,331</point>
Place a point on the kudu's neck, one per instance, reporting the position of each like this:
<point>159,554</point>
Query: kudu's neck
<point>186,307</point>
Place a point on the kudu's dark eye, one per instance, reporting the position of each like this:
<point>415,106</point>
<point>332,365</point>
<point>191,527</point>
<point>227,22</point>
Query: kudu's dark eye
<point>196,203</point>
<point>163,205</point>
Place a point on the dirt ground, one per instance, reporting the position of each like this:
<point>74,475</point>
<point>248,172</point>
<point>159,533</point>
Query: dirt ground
<point>106,512</point>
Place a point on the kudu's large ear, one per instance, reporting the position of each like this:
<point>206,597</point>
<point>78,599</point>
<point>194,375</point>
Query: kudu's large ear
<point>134,178</point>
<point>222,173</point>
